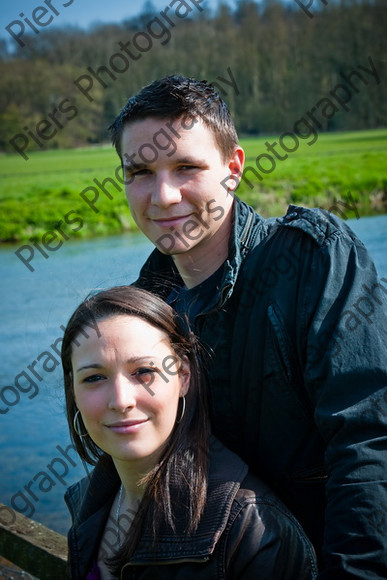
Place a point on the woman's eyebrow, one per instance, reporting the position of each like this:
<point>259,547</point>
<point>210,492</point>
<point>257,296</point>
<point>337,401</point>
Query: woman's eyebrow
<point>90,366</point>
<point>132,359</point>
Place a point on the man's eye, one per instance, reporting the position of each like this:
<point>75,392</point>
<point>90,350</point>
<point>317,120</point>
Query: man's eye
<point>188,167</point>
<point>139,173</point>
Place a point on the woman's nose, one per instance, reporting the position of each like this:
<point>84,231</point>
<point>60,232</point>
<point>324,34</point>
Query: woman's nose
<point>123,393</point>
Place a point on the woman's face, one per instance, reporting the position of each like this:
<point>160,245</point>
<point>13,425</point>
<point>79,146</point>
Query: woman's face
<point>127,384</point>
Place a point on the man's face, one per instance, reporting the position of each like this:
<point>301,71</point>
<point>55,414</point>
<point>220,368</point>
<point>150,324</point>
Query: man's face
<point>176,184</point>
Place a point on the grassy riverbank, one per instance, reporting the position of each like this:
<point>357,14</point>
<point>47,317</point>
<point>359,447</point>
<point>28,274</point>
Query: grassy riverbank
<point>37,195</point>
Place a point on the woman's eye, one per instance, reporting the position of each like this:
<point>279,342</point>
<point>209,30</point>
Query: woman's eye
<point>93,378</point>
<point>145,371</point>
<point>145,374</point>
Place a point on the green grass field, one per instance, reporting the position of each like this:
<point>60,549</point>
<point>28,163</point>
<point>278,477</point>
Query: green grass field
<point>36,194</point>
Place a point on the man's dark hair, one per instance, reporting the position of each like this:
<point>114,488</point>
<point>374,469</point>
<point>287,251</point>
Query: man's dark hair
<point>174,97</point>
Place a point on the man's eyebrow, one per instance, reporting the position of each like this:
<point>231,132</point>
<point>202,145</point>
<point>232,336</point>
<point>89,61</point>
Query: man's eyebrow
<point>134,166</point>
<point>189,160</point>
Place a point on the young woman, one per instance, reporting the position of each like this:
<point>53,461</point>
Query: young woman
<point>165,499</point>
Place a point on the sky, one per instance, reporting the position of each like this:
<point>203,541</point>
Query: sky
<point>79,12</point>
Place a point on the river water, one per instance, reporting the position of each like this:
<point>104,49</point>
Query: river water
<point>37,464</point>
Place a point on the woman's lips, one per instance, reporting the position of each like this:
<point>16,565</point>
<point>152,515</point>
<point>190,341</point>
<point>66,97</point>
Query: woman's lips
<point>125,427</point>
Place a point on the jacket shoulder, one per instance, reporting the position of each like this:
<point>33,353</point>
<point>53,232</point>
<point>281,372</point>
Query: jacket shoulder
<point>263,534</point>
<point>318,224</point>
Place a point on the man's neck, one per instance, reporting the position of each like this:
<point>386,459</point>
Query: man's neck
<point>193,275</point>
<point>196,266</point>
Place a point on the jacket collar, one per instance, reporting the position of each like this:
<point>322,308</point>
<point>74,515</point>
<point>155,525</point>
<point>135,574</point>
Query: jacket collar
<point>159,273</point>
<point>90,501</point>
<point>227,471</point>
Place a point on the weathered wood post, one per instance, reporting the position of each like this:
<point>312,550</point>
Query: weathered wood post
<point>33,547</point>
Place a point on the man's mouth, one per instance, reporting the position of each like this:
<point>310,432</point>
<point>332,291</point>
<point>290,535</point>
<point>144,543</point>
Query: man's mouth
<point>171,221</point>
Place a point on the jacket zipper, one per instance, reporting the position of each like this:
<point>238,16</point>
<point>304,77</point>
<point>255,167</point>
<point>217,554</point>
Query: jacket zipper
<point>164,563</point>
<point>247,229</point>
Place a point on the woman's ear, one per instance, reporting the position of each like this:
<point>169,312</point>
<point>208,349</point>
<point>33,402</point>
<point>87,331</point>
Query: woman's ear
<point>185,376</point>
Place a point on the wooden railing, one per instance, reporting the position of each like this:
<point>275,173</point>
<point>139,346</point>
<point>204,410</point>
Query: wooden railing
<point>32,547</point>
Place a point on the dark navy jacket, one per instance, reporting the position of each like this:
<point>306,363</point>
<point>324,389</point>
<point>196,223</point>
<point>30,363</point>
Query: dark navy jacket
<point>298,334</point>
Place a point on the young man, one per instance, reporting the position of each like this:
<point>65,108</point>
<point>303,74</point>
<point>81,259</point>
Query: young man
<point>290,309</point>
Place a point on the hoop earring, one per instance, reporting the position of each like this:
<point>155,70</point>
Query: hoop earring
<point>76,426</point>
<point>182,412</point>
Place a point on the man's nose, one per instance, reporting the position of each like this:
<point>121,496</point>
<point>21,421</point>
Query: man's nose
<point>165,191</point>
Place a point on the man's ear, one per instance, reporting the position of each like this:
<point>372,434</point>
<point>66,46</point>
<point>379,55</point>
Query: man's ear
<point>235,167</point>
<point>185,376</point>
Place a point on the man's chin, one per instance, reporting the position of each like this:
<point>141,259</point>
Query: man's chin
<point>175,251</point>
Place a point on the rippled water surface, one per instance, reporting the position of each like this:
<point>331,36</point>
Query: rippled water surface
<point>33,307</point>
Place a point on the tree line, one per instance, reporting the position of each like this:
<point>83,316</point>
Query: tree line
<point>67,84</point>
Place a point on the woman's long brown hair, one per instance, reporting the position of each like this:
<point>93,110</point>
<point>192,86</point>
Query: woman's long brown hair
<point>182,468</point>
